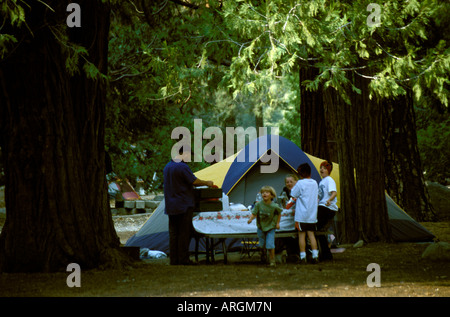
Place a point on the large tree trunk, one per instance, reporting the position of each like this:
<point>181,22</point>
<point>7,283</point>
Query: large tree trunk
<point>403,168</point>
<point>360,156</point>
<point>52,138</point>
<point>344,129</point>
<point>317,135</point>
<point>369,165</point>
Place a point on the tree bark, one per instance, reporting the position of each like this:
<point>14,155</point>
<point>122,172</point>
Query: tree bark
<point>52,138</point>
<point>358,129</point>
<point>404,179</point>
<point>349,227</point>
<point>369,164</point>
<point>317,136</point>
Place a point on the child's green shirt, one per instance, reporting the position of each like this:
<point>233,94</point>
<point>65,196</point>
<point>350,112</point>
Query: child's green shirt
<point>266,215</point>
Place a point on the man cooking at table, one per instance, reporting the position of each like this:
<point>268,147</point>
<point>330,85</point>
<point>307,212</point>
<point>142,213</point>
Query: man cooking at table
<point>179,182</point>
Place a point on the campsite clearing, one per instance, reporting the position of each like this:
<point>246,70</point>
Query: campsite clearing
<point>241,178</point>
<point>403,273</point>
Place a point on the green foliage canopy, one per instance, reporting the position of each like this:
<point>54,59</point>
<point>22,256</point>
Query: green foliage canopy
<point>226,61</point>
<point>277,37</point>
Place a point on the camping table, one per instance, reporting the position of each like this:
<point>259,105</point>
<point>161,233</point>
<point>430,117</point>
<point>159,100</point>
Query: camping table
<point>211,244</point>
<point>217,226</point>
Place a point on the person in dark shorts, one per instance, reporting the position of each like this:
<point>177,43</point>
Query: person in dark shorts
<point>306,191</point>
<point>327,207</point>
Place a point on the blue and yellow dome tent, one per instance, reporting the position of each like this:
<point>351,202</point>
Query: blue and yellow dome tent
<point>240,177</point>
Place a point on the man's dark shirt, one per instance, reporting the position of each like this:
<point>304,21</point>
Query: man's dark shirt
<point>178,188</point>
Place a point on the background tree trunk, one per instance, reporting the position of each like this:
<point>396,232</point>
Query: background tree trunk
<point>53,144</point>
<point>317,136</point>
<point>360,156</point>
<point>404,179</point>
<point>349,224</point>
<point>369,164</point>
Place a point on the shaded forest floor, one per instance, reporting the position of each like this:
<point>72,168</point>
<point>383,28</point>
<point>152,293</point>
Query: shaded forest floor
<point>403,273</point>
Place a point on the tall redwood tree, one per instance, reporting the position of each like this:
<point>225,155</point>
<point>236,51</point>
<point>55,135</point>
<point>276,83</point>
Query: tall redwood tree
<point>404,178</point>
<point>52,114</point>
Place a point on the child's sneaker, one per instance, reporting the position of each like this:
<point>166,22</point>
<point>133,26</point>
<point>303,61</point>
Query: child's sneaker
<point>272,263</point>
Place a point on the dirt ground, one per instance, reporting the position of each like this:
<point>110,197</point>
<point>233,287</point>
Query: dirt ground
<point>403,273</point>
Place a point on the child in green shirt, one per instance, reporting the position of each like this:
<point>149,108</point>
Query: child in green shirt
<point>268,215</point>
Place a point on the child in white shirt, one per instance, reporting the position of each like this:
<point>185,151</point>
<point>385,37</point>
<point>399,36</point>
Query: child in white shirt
<point>306,191</point>
<point>327,206</point>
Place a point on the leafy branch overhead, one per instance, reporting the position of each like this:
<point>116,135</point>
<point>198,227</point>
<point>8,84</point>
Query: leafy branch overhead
<point>276,38</point>
<point>14,14</point>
